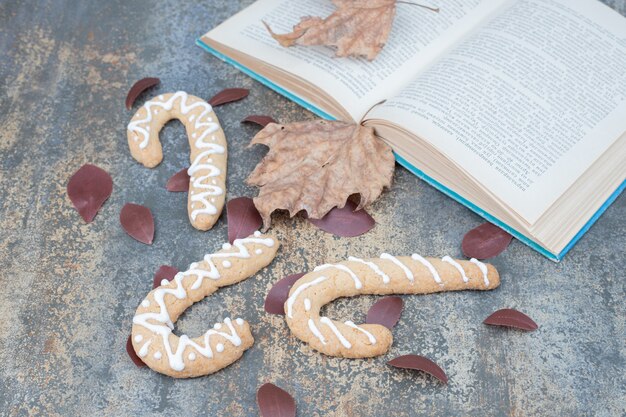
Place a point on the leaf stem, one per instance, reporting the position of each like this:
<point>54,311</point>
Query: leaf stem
<point>434,9</point>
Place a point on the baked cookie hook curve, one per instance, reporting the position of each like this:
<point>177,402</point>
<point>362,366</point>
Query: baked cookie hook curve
<point>379,276</point>
<point>207,183</point>
<point>184,357</point>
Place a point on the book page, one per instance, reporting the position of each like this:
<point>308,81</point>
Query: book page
<point>527,102</point>
<point>416,37</point>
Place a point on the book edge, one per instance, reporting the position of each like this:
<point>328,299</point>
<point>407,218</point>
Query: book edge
<point>420,174</point>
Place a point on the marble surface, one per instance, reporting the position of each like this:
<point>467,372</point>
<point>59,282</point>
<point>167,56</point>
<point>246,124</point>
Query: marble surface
<point>69,289</point>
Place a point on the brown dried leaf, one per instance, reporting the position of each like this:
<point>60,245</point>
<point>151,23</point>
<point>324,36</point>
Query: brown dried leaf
<point>316,165</point>
<point>228,95</point>
<point>485,241</point>
<point>259,119</point>
<point>138,88</point>
<point>356,28</point>
<point>509,317</point>
<point>385,312</point>
<point>275,402</point>
<point>345,221</point>
<point>419,363</point>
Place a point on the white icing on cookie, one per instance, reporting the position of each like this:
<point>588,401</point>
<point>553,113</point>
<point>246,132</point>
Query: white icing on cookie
<point>144,349</point>
<point>457,266</point>
<point>402,266</point>
<point>357,281</point>
<point>483,269</point>
<point>298,290</point>
<point>202,161</point>
<point>374,268</point>
<point>240,252</point>
<point>370,336</point>
<point>428,265</point>
<point>316,332</point>
<point>331,325</point>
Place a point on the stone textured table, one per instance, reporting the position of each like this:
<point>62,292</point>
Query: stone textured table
<point>69,289</point>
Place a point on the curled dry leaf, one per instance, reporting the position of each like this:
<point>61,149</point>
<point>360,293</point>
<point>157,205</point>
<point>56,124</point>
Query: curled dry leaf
<point>278,294</point>
<point>228,95</point>
<point>485,241</point>
<point>88,189</point>
<point>138,88</point>
<point>138,222</point>
<point>178,182</point>
<point>356,28</point>
<point>259,120</point>
<point>509,317</point>
<point>243,218</point>
<point>419,363</point>
<point>385,312</point>
<point>345,221</point>
<point>132,354</point>
<point>316,165</point>
<point>165,272</point>
<point>275,402</point>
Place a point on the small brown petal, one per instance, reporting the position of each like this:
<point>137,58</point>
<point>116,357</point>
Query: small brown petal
<point>138,222</point>
<point>509,317</point>
<point>345,222</point>
<point>178,182</point>
<point>259,120</point>
<point>275,402</point>
<point>278,294</point>
<point>138,88</point>
<point>133,355</point>
<point>385,312</point>
<point>88,189</point>
<point>419,363</point>
<point>485,241</point>
<point>164,272</point>
<point>243,218</point>
<point>228,95</point>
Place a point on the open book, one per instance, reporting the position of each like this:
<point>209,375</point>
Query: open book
<point>515,108</point>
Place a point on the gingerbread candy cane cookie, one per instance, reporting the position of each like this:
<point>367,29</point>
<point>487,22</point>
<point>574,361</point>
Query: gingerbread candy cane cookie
<point>385,275</point>
<point>208,150</point>
<point>182,357</point>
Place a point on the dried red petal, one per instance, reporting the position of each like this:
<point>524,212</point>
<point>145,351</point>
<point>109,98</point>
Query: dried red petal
<point>509,317</point>
<point>88,189</point>
<point>485,241</point>
<point>133,355</point>
<point>345,222</point>
<point>228,95</point>
<point>259,120</point>
<point>164,272</point>
<point>137,221</point>
<point>138,88</point>
<point>243,218</point>
<point>278,294</point>
<point>419,363</point>
<point>178,182</point>
<point>385,312</point>
<point>275,402</point>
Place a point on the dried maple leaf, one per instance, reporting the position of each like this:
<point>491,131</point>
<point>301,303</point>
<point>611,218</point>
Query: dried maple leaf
<point>316,165</point>
<point>356,28</point>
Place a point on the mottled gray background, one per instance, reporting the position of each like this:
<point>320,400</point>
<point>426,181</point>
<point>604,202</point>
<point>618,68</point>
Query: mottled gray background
<point>69,289</point>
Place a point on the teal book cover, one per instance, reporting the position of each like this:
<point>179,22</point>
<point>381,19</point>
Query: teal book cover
<point>419,173</point>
